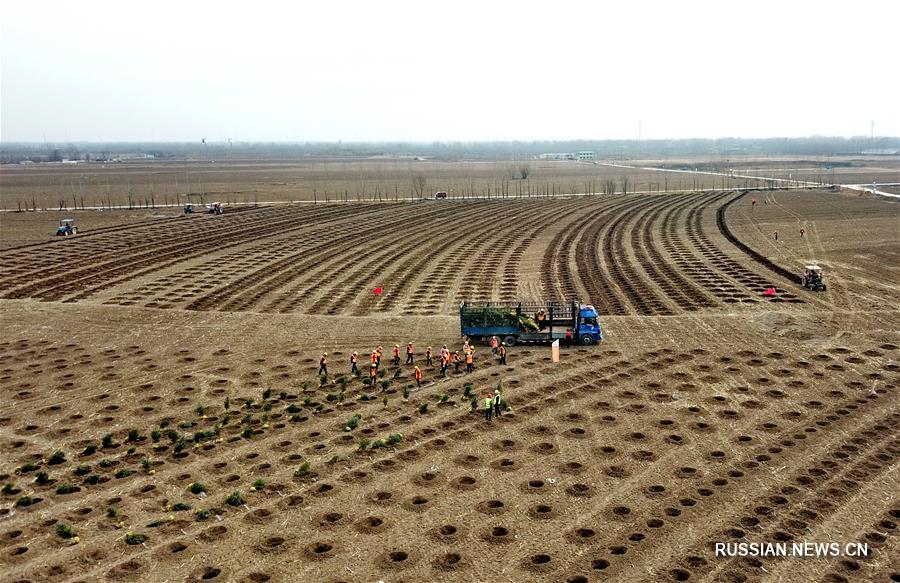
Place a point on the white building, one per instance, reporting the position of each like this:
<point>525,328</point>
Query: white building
<point>586,155</point>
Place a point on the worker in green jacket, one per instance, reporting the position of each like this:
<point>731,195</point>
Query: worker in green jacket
<point>488,406</point>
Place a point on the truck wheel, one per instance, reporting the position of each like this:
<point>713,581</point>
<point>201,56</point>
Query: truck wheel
<point>510,340</point>
<point>586,339</point>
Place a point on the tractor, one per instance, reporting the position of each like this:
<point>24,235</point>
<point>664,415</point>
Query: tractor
<point>812,278</point>
<point>215,209</point>
<point>66,227</point>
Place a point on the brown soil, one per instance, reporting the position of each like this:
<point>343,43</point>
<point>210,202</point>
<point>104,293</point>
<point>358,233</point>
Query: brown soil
<point>710,414</point>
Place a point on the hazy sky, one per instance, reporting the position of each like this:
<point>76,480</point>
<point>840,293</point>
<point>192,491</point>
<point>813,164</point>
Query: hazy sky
<point>460,70</point>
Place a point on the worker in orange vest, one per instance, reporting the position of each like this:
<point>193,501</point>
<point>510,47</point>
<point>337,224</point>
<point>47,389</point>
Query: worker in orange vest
<point>457,359</point>
<point>395,352</point>
<point>418,376</point>
<point>323,364</point>
<point>541,318</point>
<point>502,353</point>
<point>428,356</point>
<point>378,352</point>
<point>354,358</point>
<point>409,353</point>
<point>494,344</point>
<point>445,363</point>
<point>373,374</point>
<point>470,361</point>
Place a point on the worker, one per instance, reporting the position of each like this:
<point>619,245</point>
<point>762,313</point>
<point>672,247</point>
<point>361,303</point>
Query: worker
<point>323,364</point>
<point>470,361</point>
<point>568,337</point>
<point>445,352</point>
<point>379,351</point>
<point>502,352</point>
<point>418,376</point>
<point>409,353</point>
<point>776,235</point>
<point>395,352</point>
<point>428,357</point>
<point>497,401</point>
<point>541,318</point>
<point>373,374</point>
<point>488,406</point>
<point>495,343</point>
<point>802,232</point>
<point>457,359</point>
<point>445,363</point>
<point>374,358</point>
<point>753,202</point>
<point>354,358</point>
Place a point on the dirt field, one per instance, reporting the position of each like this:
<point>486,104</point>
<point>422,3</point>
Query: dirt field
<point>157,183</point>
<point>182,352</point>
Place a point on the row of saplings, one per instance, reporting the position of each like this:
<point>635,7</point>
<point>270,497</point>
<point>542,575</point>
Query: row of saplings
<point>179,442</point>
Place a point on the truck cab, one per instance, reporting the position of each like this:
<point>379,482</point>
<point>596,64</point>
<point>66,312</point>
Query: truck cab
<point>589,329</point>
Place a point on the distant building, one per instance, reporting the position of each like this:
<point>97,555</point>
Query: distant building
<point>586,155</point>
<point>557,156</point>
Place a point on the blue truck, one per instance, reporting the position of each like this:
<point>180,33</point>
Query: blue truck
<point>533,322</point>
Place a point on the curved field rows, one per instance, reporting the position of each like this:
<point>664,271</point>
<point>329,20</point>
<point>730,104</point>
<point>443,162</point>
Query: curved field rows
<point>625,254</point>
<point>205,446</point>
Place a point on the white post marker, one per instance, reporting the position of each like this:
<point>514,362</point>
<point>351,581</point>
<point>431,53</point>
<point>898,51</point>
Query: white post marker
<point>554,351</point>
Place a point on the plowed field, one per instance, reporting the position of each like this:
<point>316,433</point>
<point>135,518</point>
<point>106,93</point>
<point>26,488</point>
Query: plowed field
<point>172,362</point>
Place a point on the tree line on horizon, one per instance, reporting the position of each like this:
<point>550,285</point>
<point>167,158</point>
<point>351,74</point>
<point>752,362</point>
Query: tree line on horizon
<point>13,152</point>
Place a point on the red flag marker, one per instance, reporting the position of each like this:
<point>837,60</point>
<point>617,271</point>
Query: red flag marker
<point>769,292</point>
<point>378,291</point>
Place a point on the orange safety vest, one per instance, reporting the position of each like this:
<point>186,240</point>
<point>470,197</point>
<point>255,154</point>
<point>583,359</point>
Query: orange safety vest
<point>395,351</point>
<point>323,360</point>
<point>373,371</point>
<point>409,348</point>
<point>456,357</point>
<point>503,351</point>
<point>374,357</point>
<point>418,375</point>
<point>493,342</point>
<point>468,358</point>
<point>428,353</point>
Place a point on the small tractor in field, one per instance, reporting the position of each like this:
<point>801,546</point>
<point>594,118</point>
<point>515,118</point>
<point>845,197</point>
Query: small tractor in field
<point>440,195</point>
<point>215,209</point>
<point>66,227</point>
<point>812,278</point>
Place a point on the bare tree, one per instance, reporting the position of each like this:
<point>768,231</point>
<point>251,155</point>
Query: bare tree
<point>419,183</point>
<point>626,183</point>
<point>609,186</point>
<point>524,171</point>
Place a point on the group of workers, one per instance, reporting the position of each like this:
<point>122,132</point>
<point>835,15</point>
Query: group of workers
<point>491,402</point>
<point>446,356</point>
